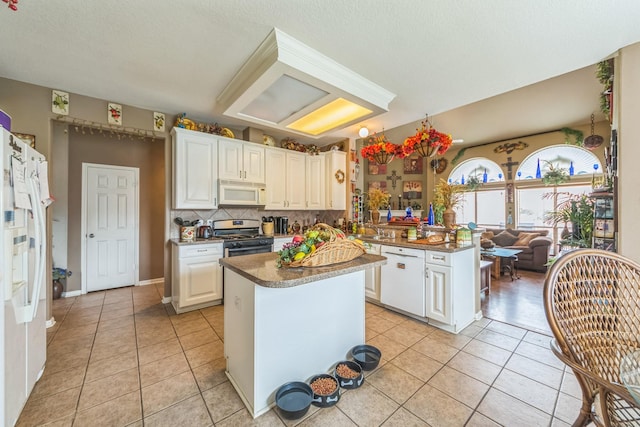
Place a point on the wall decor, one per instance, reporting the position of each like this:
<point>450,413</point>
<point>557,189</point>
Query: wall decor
<point>158,121</point>
<point>114,114</point>
<point>393,177</point>
<point>59,102</point>
<point>509,147</point>
<point>29,139</point>
<point>438,165</point>
<point>412,189</point>
<point>413,165</point>
<point>380,185</point>
<point>376,169</point>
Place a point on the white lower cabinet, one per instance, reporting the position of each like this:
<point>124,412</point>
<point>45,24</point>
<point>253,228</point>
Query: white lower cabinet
<point>197,276</point>
<point>438,286</point>
<point>372,277</point>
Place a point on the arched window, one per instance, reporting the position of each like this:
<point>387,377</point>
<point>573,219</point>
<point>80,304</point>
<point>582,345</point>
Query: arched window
<point>486,206</point>
<point>573,159</point>
<point>480,167</point>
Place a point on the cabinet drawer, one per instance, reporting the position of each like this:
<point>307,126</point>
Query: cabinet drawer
<point>438,258</point>
<point>200,250</point>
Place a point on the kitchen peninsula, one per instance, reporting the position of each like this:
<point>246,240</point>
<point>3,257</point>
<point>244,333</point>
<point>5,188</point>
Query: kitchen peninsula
<point>288,324</point>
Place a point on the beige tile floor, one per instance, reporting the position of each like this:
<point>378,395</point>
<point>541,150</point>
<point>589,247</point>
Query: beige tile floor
<point>121,358</point>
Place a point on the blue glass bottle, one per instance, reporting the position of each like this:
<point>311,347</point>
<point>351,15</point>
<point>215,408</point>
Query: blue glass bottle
<point>388,213</point>
<point>431,218</point>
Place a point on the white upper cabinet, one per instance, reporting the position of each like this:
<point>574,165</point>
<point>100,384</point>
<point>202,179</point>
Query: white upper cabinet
<point>195,170</point>
<point>241,161</point>
<point>336,182</point>
<point>315,182</point>
<point>285,179</point>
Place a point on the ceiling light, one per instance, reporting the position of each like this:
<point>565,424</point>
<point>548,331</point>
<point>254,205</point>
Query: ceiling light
<point>285,81</point>
<point>363,132</point>
<point>457,141</point>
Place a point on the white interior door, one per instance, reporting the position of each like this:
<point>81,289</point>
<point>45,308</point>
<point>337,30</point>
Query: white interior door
<point>110,201</point>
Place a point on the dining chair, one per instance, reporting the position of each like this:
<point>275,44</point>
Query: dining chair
<point>592,304</point>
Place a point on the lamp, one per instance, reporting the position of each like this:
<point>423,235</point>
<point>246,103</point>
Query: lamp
<point>363,132</point>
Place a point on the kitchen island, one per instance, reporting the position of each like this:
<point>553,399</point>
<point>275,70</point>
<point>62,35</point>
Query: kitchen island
<point>288,324</point>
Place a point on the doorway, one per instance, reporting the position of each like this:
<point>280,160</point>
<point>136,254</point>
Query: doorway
<point>110,226</point>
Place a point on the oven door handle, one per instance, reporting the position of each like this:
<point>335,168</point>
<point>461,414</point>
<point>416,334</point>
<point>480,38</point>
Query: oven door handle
<point>252,249</point>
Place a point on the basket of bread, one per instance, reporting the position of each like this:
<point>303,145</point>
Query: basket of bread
<point>434,239</point>
<point>319,246</point>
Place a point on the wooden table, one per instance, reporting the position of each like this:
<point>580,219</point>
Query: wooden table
<point>486,268</point>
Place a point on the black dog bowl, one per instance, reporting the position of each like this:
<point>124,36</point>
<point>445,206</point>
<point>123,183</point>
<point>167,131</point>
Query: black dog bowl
<point>349,383</point>
<point>367,356</point>
<point>325,400</point>
<point>294,399</point>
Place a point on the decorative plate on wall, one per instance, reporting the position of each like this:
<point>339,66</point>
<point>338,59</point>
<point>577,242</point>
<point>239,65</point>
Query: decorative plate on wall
<point>438,165</point>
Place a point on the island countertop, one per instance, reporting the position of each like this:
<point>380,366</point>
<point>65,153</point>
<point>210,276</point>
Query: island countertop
<point>261,269</point>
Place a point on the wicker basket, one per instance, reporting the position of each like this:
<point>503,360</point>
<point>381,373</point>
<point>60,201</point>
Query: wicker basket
<point>337,249</point>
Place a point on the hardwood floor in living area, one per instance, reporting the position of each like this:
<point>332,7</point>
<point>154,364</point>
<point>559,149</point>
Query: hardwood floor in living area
<point>518,302</point>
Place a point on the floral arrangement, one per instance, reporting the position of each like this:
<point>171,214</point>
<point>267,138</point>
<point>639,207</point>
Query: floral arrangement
<point>377,198</point>
<point>473,183</point>
<point>448,195</point>
<point>438,142</point>
<point>60,273</point>
<point>381,150</point>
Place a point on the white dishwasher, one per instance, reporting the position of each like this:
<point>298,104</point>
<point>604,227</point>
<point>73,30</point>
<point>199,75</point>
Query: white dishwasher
<point>402,281</point>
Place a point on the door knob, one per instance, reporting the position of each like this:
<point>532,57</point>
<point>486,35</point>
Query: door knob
<point>92,235</point>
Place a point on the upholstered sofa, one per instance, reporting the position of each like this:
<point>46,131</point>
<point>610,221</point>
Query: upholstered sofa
<point>534,245</point>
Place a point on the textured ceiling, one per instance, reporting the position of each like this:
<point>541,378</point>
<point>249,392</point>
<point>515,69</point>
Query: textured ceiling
<point>436,55</point>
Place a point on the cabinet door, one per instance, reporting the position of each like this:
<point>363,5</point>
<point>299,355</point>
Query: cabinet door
<point>296,181</point>
<point>336,195</point>
<point>230,160</point>
<point>315,182</point>
<point>200,280</point>
<point>195,170</point>
<point>253,163</point>
<point>275,178</point>
<point>372,277</point>
<point>438,293</point>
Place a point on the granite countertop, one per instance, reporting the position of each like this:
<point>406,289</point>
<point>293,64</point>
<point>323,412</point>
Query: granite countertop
<point>179,242</point>
<point>261,269</point>
<point>403,242</point>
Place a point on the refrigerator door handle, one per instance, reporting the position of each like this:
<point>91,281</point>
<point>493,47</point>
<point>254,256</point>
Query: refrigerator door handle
<point>28,312</point>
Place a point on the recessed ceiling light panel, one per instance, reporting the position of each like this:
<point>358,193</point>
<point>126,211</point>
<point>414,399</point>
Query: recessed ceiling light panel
<point>285,81</point>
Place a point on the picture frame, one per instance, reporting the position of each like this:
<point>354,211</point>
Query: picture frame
<point>413,165</point>
<point>376,169</point>
<point>380,185</point>
<point>29,139</point>
<point>411,189</point>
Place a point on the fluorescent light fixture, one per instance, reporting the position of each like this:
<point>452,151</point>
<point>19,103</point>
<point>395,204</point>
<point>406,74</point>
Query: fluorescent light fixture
<point>285,81</point>
<point>329,116</point>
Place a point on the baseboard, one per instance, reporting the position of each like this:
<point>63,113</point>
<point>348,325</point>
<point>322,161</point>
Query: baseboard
<point>151,281</point>
<point>50,322</point>
<point>166,300</point>
<point>71,294</point>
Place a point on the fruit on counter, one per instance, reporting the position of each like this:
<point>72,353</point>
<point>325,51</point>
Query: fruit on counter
<point>305,245</point>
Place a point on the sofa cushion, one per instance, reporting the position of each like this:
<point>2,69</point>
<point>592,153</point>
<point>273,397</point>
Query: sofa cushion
<point>487,235</point>
<point>525,238</point>
<point>504,239</point>
<point>486,243</point>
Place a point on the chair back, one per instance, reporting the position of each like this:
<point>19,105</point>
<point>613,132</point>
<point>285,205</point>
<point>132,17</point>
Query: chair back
<point>592,304</point>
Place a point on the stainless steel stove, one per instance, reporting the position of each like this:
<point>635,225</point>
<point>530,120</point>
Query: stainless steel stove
<point>242,237</point>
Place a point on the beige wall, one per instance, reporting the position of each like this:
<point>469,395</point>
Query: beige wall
<point>429,179</point>
<point>30,109</point>
<point>627,101</point>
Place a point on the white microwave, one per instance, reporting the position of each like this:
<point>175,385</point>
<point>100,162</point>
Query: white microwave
<point>241,194</point>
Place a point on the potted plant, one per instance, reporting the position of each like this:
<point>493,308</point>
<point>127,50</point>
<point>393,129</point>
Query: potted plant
<point>473,183</point>
<point>554,175</point>
<point>446,198</point>
<point>59,277</point>
<point>377,198</point>
<point>576,210</point>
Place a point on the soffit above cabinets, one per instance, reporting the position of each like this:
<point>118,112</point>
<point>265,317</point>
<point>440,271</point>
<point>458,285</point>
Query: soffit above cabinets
<point>285,80</point>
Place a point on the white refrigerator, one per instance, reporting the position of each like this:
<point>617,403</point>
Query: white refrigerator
<point>23,197</point>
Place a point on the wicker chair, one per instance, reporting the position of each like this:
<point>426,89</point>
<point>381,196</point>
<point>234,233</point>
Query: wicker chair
<point>592,303</point>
